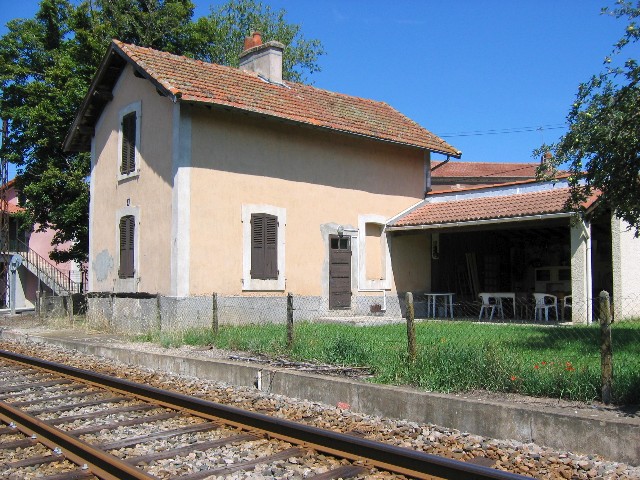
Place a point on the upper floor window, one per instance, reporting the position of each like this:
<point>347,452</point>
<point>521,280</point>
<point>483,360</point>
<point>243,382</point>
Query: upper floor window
<point>129,140</point>
<point>128,163</point>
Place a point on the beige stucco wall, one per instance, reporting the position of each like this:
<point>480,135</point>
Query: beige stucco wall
<point>148,193</point>
<point>411,261</point>
<point>318,178</point>
<point>626,258</point>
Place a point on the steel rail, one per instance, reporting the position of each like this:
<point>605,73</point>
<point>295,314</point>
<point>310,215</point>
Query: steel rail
<point>375,454</point>
<point>100,463</point>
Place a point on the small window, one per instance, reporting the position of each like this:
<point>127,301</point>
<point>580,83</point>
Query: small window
<point>264,246</point>
<point>128,163</point>
<point>127,253</point>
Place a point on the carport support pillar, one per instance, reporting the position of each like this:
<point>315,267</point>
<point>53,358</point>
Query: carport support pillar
<point>581,275</point>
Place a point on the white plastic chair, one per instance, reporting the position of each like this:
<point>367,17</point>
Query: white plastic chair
<point>543,304</point>
<point>487,305</point>
<point>567,302</point>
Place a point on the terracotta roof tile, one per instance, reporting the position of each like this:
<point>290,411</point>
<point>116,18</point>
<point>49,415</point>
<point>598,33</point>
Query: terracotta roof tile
<point>485,169</point>
<point>491,207</point>
<point>197,81</point>
<point>13,208</point>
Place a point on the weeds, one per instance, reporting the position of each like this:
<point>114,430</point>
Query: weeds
<point>452,356</point>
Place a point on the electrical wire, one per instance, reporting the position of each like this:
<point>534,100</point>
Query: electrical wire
<point>503,131</point>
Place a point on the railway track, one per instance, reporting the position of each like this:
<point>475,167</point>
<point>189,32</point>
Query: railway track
<point>70,423</point>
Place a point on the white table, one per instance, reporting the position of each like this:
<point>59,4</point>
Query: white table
<point>432,299</point>
<point>500,295</point>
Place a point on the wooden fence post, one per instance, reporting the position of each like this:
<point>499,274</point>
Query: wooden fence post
<point>289,320</point>
<point>411,328</point>
<point>606,352</point>
<point>214,314</point>
<point>158,313</point>
<point>70,308</point>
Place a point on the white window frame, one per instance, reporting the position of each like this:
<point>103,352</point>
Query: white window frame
<point>256,284</point>
<point>365,284</point>
<point>128,284</point>
<point>132,107</point>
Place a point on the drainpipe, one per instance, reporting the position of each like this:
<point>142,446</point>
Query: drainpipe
<point>427,157</point>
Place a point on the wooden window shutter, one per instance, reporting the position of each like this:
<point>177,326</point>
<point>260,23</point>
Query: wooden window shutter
<point>127,235</point>
<point>128,164</point>
<point>264,246</point>
<point>271,247</point>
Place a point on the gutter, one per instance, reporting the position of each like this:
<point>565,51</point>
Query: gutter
<point>428,188</point>
<point>480,222</point>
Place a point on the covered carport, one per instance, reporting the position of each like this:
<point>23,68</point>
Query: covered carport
<point>517,239</point>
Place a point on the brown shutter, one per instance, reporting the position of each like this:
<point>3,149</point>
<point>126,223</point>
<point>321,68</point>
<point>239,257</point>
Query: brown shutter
<point>128,164</point>
<point>271,247</point>
<point>264,246</point>
<point>257,245</point>
<point>127,234</point>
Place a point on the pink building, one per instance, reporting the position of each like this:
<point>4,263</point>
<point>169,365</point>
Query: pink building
<point>37,272</point>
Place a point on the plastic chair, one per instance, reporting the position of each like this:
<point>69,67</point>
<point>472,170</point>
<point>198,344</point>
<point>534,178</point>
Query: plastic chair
<point>543,304</point>
<point>487,305</point>
<point>567,302</point>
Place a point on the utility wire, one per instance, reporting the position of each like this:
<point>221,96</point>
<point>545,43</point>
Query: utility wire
<point>503,131</point>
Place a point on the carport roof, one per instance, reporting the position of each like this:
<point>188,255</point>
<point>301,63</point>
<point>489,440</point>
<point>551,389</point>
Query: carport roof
<point>491,205</point>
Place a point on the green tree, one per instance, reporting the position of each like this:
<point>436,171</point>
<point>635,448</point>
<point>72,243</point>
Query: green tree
<point>47,64</point>
<point>602,146</point>
<point>219,37</point>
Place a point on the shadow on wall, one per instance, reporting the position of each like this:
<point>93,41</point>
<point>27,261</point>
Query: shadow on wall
<point>411,261</point>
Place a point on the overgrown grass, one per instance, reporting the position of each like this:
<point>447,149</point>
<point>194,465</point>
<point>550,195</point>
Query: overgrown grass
<point>558,362</point>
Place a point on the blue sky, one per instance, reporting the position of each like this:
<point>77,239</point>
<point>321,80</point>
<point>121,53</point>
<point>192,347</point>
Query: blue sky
<point>454,67</point>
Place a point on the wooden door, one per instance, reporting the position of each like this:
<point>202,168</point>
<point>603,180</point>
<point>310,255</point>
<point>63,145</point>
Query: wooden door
<point>339,272</point>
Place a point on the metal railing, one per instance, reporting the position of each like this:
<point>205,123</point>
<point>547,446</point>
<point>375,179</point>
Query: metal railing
<point>54,278</point>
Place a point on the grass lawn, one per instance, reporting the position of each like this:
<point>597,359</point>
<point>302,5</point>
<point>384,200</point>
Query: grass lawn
<point>558,362</point>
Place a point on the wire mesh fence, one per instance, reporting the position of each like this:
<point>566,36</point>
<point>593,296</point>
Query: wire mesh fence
<point>556,347</point>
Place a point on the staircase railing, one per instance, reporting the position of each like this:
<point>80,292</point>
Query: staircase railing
<point>59,281</point>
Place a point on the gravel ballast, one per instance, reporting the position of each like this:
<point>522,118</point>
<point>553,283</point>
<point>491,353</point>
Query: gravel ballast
<point>523,458</point>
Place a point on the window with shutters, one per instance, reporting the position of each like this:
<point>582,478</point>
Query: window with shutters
<point>129,141</point>
<point>263,247</point>
<point>127,246</point>
<point>128,163</point>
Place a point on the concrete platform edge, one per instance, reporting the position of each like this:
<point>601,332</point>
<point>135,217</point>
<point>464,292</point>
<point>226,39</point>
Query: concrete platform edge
<point>615,440</point>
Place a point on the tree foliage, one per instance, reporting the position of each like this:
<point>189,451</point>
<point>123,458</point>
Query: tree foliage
<point>602,146</point>
<point>47,64</point>
<point>219,37</point>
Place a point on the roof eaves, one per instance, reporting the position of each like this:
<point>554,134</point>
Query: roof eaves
<point>114,51</point>
<point>483,221</point>
<point>173,93</point>
<point>258,113</point>
<point>86,102</point>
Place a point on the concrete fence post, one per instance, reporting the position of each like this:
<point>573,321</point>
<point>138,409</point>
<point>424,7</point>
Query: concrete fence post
<point>606,349</point>
<point>411,328</point>
<point>215,325</point>
<point>289,320</point>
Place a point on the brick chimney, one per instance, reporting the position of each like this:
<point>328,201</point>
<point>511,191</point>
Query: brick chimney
<point>265,59</point>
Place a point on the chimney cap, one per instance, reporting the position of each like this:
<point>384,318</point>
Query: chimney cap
<point>252,40</point>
